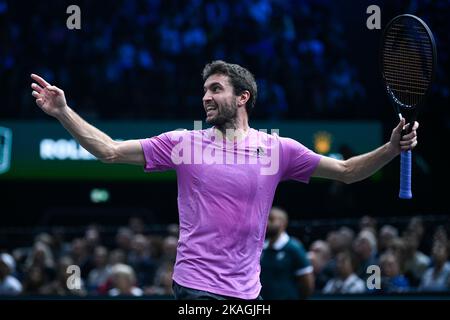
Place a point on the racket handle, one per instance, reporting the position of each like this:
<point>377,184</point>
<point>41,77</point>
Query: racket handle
<point>405,175</point>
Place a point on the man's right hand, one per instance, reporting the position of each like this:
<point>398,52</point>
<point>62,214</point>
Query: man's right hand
<point>49,98</point>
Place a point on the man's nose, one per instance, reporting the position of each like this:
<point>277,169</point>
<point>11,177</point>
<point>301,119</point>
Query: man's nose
<point>206,97</point>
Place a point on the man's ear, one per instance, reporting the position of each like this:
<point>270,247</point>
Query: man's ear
<point>243,98</point>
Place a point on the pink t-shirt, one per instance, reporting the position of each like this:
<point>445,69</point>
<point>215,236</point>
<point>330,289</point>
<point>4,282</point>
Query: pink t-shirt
<point>225,192</point>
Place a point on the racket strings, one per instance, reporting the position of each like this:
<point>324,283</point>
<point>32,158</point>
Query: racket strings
<point>407,62</point>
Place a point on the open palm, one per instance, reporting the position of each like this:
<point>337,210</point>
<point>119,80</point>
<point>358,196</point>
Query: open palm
<point>49,98</point>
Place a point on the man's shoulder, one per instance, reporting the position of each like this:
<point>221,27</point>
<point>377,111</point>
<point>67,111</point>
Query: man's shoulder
<point>295,244</point>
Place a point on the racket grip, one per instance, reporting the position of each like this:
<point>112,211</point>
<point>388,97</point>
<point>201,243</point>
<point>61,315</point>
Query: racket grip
<point>405,175</point>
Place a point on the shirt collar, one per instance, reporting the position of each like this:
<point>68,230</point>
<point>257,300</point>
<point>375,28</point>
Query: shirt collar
<point>279,243</point>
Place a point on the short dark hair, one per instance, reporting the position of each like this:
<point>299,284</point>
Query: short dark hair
<point>240,79</point>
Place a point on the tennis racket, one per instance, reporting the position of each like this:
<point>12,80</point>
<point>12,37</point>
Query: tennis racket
<point>408,62</point>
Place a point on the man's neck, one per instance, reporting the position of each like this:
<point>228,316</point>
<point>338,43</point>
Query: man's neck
<point>234,130</point>
<point>274,239</point>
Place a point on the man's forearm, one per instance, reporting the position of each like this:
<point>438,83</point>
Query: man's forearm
<point>363,166</point>
<point>92,139</point>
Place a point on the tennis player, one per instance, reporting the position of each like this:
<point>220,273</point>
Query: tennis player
<point>227,176</point>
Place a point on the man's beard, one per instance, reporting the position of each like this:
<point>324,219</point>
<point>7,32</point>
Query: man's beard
<point>271,232</point>
<point>226,114</point>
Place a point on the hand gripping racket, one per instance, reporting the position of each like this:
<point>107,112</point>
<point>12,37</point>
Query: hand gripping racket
<point>408,62</point>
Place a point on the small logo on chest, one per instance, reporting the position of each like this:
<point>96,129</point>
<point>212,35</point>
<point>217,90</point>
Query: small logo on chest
<point>280,255</point>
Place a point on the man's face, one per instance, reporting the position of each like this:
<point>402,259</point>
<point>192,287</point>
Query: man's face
<point>219,100</point>
<point>276,224</point>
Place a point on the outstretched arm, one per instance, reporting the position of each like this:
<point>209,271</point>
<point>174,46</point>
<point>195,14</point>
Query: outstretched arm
<point>363,166</point>
<point>53,102</point>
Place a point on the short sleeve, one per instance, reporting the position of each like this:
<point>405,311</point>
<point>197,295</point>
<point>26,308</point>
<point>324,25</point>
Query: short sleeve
<point>158,150</point>
<point>302,265</point>
<point>299,162</point>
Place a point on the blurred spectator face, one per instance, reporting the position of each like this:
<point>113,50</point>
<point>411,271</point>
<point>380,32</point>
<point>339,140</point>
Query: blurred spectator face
<point>411,243</point>
<point>344,266</point>
<point>166,278</point>
<point>123,282</point>
<point>4,270</point>
<point>440,234</point>
<point>368,222</point>
<point>92,237</point>
<point>35,277</point>
<point>219,100</point>
<point>170,247</point>
<point>439,252</point>
<point>416,226</point>
<point>123,278</point>
<point>389,265</point>
<point>123,238</point>
<point>78,247</point>
<point>140,243</point>
<point>322,250</point>
<point>365,244</point>
<point>347,236</point>
<point>335,241</point>
<point>117,256</point>
<point>387,235</point>
<point>314,259</point>
<point>398,248</point>
<point>44,238</point>
<point>173,230</point>
<point>277,222</point>
<point>100,257</point>
<point>40,254</point>
<point>136,225</point>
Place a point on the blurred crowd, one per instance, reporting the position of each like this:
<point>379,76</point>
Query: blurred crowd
<point>130,263</point>
<point>156,50</point>
<point>412,257</point>
<point>143,58</point>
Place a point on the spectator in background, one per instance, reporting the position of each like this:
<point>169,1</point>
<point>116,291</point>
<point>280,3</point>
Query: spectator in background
<point>59,286</point>
<point>346,281</point>
<point>141,261</point>
<point>163,281</point>
<point>286,272</point>
<point>34,280</point>
<point>9,285</point>
<point>169,249</point>
<point>124,238</point>
<point>41,257</point>
<point>392,280</point>
<point>81,256</point>
<point>173,229</point>
<point>437,278</point>
<point>416,262</point>
<point>320,256</point>
<point>136,225</point>
<point>339,240</point>
<point>365,248</point>
<point>101,271</point>
<point>386,236</point>
<point>124,281</point>
<point>368,223</point>
<point>92,238</point>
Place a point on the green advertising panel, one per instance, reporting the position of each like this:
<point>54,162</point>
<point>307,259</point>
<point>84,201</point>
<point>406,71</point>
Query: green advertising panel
<point>45,150</point>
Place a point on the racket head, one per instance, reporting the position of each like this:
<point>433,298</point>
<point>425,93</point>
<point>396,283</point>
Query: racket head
<point>408,62</point>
